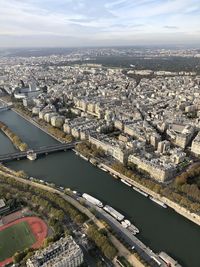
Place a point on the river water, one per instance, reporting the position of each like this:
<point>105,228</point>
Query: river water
<point>161,229</point>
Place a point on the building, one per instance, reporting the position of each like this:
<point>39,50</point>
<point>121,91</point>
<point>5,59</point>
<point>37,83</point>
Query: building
<point>196,145</point>
<point>57,121</point>
<point>163,146</point>
<point>112,147</point>
<point>181,135</point>
<point>4,209</point>
<point>63,253</point>
<point>142,131</point>
<point>157,169</point>
<point>177,156</point>
<point>27,91</point>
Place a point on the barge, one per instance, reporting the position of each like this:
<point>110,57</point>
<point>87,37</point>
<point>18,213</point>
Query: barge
<point>158,202</point>
<point>93,200</point>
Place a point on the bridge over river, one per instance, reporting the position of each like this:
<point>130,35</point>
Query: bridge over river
<point>4,106</point>
<point>44,150</point>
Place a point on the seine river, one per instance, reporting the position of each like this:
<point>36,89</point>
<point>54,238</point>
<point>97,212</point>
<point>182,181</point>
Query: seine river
<point>161,229</point>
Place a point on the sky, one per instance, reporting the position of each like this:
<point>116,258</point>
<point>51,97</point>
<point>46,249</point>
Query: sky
<point>68,23</point>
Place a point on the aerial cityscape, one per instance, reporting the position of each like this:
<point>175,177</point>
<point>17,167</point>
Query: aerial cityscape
<point>100,133</point>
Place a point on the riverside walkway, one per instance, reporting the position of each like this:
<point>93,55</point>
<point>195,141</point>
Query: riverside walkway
<point>144,251</point>
<point>74,202</point>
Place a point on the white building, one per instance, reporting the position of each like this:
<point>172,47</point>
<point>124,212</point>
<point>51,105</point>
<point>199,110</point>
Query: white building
<point>63,253</point>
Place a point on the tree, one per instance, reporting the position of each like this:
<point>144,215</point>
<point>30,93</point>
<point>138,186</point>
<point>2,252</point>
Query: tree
<point>181,179</point>
<point>18,256</point>
<point>23,146</point>
<point>22,174</point>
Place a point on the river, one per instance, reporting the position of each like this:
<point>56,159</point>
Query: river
<point>161,229</point>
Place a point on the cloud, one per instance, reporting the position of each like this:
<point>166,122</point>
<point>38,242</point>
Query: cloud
<point>91,20</point>
<point>170,27</point>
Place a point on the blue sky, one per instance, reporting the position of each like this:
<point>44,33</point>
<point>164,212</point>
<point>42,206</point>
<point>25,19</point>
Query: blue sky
<point>98,22</point>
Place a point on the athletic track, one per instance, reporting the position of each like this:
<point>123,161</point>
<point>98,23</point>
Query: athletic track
<point>38,228</point>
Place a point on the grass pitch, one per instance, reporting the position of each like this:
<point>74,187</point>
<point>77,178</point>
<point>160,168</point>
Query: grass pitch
<point>15,238</point>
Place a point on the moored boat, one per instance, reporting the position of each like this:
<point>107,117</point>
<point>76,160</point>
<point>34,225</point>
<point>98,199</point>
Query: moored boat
<point>133,229</point>
<point>92,200</point>
<point>140,191</point>
<point>83,157</point>
<point>125,182</point>
<point>158,202</point>
<point>114,213</point>
<point>103,169</point>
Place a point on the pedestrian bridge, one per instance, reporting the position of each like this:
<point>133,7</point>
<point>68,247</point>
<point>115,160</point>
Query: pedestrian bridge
<point>38,151</point>
<point>5,106</point>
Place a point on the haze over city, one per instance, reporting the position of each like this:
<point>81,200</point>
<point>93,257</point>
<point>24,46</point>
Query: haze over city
<point>99,133</point>
<point>34,23</point>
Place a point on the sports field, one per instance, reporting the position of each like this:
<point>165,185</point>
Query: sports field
<point>15,238</point>
<point>20,233</point>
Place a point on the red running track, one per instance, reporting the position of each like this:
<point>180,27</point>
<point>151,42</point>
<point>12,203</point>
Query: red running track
<point>38,228</point>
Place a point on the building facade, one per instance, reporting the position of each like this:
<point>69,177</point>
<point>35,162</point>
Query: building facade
<point>63,253</point>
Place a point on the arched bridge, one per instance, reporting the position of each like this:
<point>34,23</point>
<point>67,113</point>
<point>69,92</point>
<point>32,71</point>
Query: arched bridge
<point>38,151</point>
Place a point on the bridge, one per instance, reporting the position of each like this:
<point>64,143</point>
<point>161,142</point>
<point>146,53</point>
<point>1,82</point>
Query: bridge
<point>38,151</point>
<point>4,105</point>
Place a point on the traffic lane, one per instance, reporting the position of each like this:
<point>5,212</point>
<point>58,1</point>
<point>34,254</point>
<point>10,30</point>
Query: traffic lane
<point>130,239</point>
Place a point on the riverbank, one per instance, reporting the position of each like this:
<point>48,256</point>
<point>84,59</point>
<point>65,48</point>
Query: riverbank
<point>70,171</point>
<point>123,251</point>
<point>16,141</point>
<point>36,124</point>
<point>195,218</point>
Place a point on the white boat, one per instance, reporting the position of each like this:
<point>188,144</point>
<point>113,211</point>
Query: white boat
<point>133,229</point>
<point>93,200</point>
<point>156,260</point>
<point>125,182</point>
<point>168,259</point>
<point>124,224</point>
<point>103,169</point>
<point>114,213</point>
<point>76,152</point>
<point>93,161</point>
<point>158,202</point>
<point>83,157</point>
<point>140,191</point>
<point>127,222</point>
